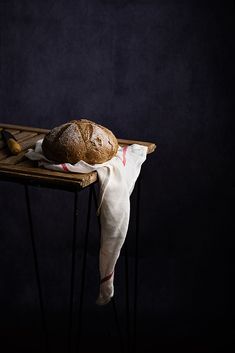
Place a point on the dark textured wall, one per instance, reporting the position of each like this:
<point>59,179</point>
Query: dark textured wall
<point>161,71</point>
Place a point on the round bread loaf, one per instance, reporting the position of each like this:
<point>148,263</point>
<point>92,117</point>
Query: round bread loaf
<point>80,140</point>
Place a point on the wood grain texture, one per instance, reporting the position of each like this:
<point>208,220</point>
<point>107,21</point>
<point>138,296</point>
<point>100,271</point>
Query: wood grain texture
<point>23,128</point>
<point>14,159</point>
<point>14,131</point>
<point>21,169</point>
<point>24,135</point>
<point>39,174</point>
<point>151,146</point>
<point>25,144</point>
<point>4,153</point>
<point>31,141</point>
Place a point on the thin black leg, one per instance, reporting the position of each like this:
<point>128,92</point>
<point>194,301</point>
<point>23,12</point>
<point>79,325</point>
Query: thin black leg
<point>127,297</point>
<point>80,309</point>
<point>136,268</point>
<point>35,257</point>
<point>75,217</point>
<point>96,204</point>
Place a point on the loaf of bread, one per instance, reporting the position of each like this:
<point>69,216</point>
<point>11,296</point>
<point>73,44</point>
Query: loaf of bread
<point>80,140</point>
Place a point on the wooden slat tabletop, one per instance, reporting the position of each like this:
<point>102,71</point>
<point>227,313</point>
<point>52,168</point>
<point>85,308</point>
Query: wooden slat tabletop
<point>20,168</point>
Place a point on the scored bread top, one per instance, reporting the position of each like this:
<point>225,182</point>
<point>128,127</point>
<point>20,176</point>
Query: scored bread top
<point>80,140</point>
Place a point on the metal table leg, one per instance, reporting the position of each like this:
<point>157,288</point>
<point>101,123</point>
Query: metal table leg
<point>136,268</point>
<point>80,309</point>
<point>75,218</point>
<point>35,257</point>
<point>128,333</point>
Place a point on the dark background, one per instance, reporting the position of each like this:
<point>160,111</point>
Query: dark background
<point>160,71</point>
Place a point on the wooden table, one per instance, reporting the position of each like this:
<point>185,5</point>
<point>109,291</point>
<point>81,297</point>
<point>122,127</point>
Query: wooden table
<point>21,170</point>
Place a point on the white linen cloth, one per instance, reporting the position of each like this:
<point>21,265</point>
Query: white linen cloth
<point>117,178</point>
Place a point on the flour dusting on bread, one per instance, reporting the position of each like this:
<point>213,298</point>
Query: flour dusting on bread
<point>80,140</point>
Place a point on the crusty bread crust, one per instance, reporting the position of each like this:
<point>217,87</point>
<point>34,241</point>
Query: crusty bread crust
<point>80,140</point>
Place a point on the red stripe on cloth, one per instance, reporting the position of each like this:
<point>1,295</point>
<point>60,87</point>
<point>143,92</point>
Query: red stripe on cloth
<point>124,155</point>
<point>106,278</point>
<point>63,165</point>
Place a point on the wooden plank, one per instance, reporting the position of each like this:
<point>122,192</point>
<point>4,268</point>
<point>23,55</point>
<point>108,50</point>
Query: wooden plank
<point>44,171</point>
<point>24,135</point>
<point>43,174</point>
<point>14,159</point>
<point>24,128</point>
<point>81,184</point>
<point>151,146</point>
<point>27,163</point>
<point>31,142</point>
<point>5,153</point>
<point>21,136</point>
<point>13,131</point>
